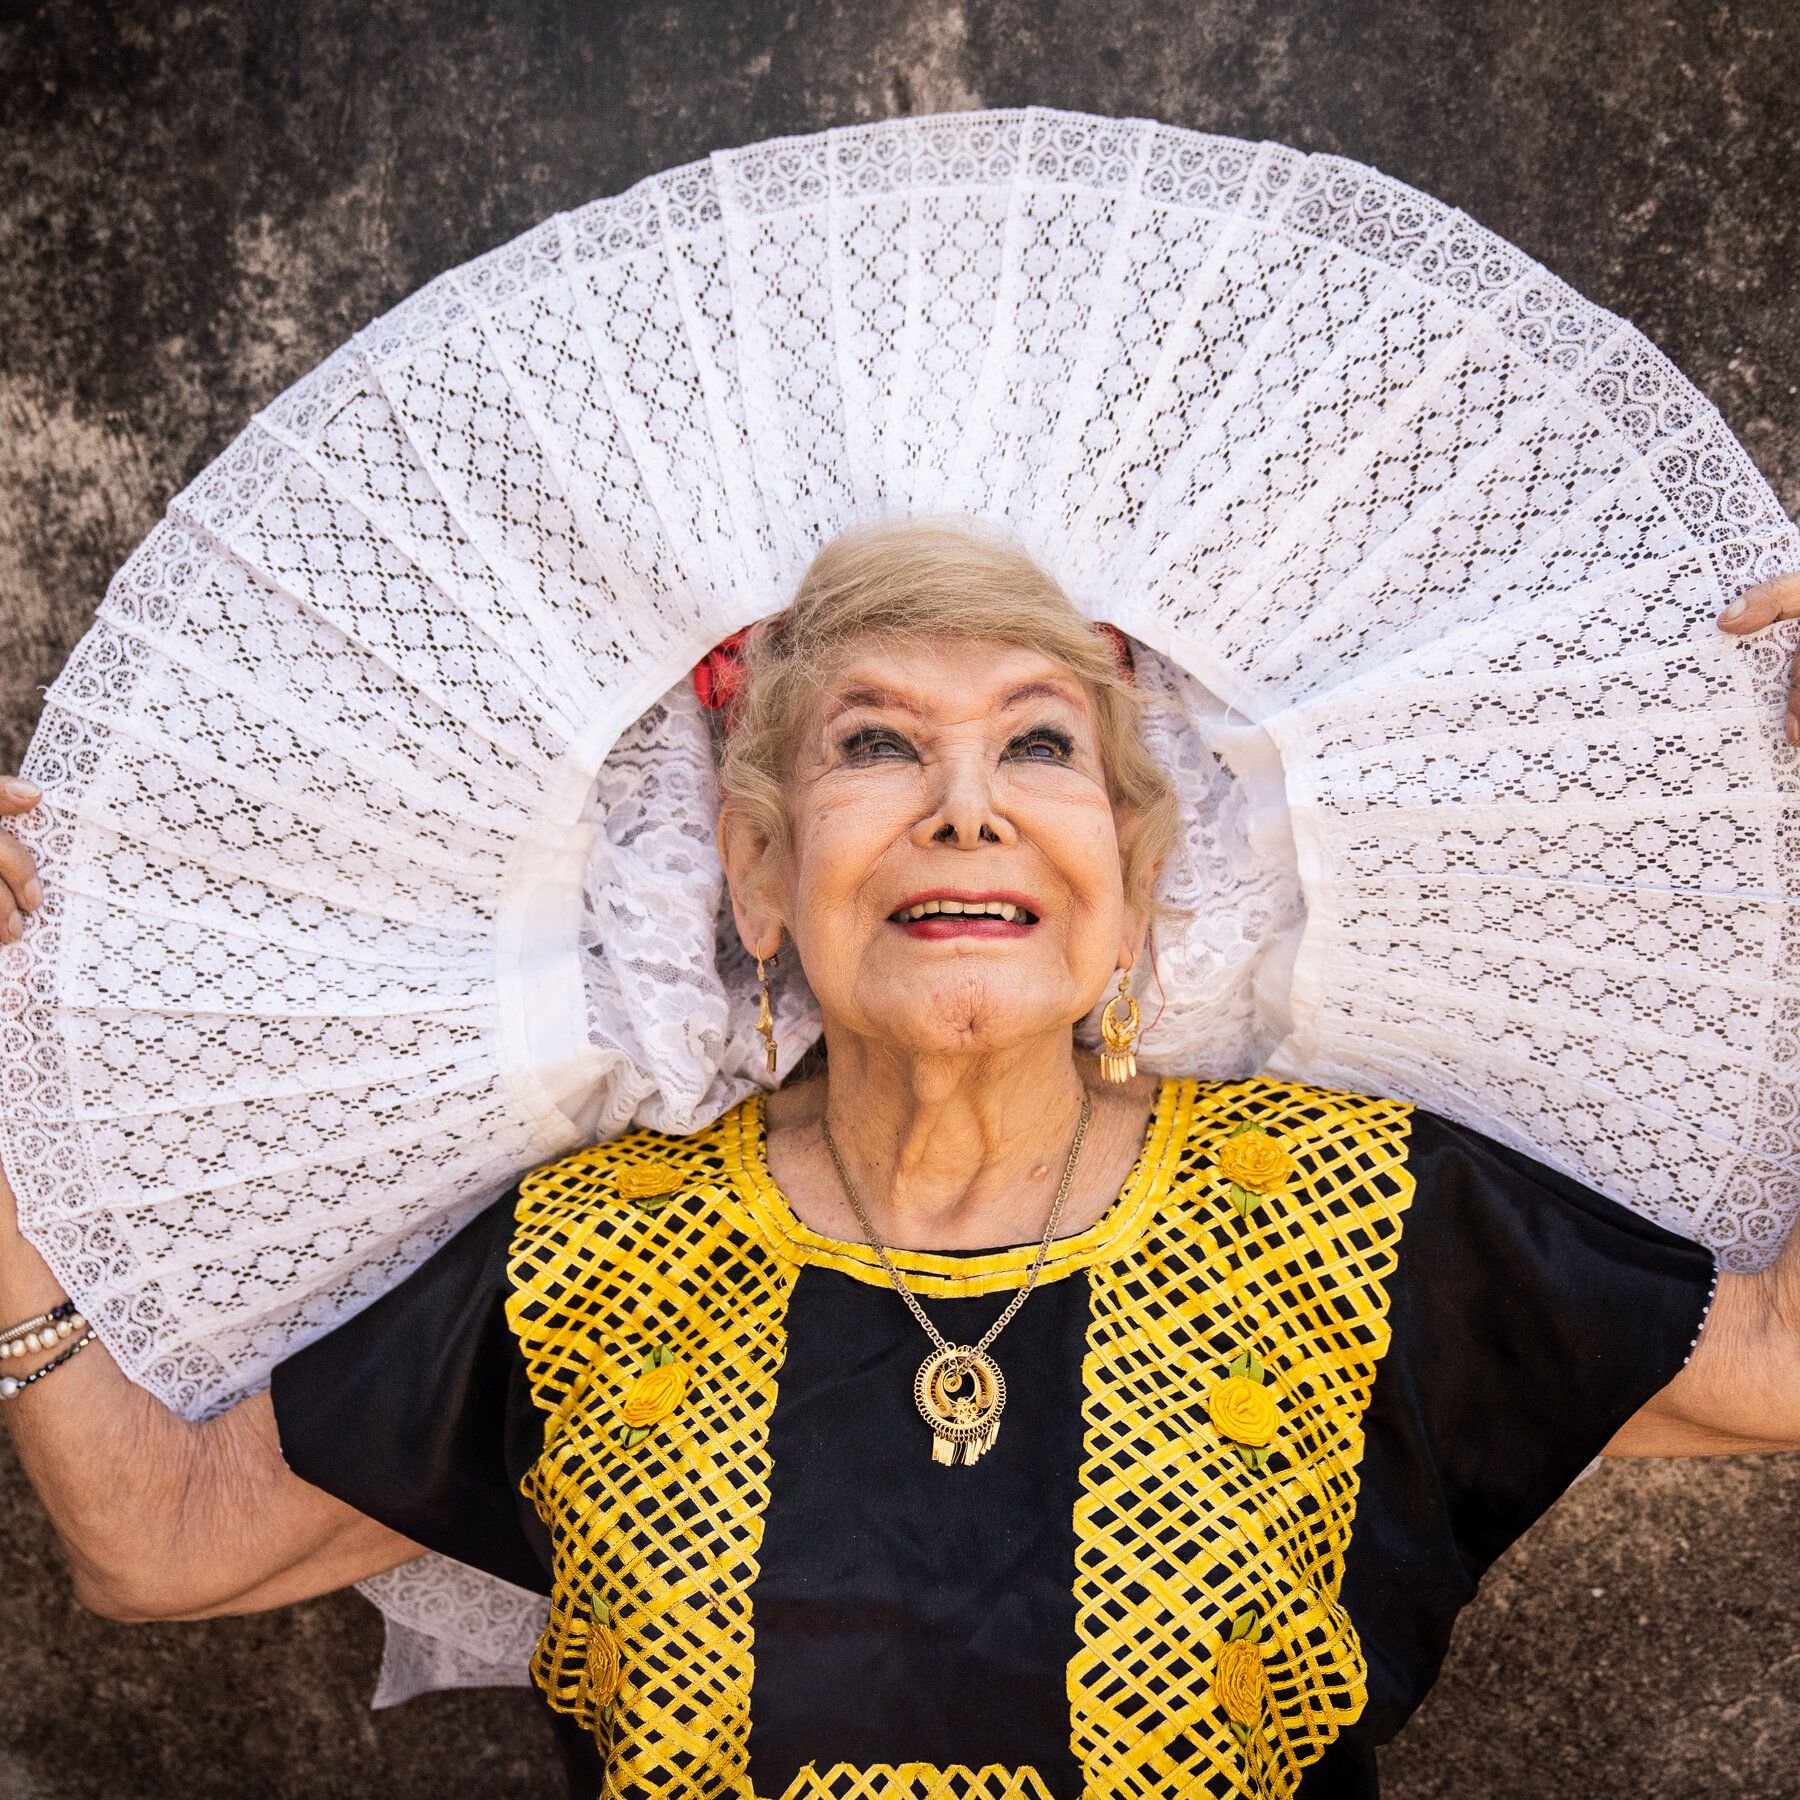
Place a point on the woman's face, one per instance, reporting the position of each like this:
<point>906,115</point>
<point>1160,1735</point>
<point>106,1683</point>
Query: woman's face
<point>955,881</point>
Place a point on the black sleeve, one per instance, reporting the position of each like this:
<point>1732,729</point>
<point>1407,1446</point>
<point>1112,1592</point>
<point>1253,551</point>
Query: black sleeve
<point>1531,1317</point>
<point>417,1412</point>
<point>1535,1317</point>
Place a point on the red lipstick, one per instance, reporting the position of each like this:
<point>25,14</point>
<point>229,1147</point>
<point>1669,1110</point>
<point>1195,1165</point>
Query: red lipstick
<point>969,914</point>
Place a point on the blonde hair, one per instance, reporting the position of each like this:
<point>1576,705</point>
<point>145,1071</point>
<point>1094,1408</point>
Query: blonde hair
<point>931,577</point>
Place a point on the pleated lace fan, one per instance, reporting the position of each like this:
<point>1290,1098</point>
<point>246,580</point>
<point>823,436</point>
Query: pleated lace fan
<point>376,831</point>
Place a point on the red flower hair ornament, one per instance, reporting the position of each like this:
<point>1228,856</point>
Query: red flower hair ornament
<point>719,674</point>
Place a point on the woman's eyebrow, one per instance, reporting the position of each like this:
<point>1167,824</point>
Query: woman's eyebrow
<point>885,698</point>
<point>1039,690</point>
<point>864,694</point>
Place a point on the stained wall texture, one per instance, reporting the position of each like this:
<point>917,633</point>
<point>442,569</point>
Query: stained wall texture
<point>198,201</point>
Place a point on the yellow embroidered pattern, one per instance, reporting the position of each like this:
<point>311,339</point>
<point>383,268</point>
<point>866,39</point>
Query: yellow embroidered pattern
<point>916,1781</point>
<point>656,1540</point>
<point>664,1534</point>
<point>1175,1533</point>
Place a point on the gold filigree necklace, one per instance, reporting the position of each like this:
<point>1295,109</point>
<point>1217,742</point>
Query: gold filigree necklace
<point>959,1389</point>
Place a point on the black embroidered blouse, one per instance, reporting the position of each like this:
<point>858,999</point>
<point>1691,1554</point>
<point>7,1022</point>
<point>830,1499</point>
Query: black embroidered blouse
<point>1267,1422</point>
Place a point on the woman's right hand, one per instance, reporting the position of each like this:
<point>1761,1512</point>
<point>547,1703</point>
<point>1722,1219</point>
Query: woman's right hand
<point>19,889</point>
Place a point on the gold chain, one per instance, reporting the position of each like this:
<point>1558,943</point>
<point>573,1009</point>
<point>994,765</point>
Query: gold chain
<point>1037,1262</point>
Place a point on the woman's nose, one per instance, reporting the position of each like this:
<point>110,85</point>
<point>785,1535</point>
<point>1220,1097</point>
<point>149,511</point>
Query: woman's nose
<point>966,815</point>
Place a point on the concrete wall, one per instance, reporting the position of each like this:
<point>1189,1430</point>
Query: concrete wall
<point>199,201</point>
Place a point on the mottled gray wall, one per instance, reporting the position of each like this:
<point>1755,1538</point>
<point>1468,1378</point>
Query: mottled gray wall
<point>200,201</point>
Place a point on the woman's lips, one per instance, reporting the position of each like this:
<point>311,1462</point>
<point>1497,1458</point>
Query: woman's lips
<point>950,925</point>
<point>947,913</point>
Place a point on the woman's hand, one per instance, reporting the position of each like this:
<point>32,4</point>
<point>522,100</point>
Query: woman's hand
<point>1763,605</point>
<point>19,890</point>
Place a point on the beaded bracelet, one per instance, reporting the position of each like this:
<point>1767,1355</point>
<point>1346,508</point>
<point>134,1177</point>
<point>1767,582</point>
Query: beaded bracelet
<point>44,1332</point>
<point>59,1311</point>
<point>13,1386</point>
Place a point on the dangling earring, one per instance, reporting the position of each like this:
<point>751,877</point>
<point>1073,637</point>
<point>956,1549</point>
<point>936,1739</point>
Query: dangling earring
<point>765,1016</point>
<point>1118,1061</point>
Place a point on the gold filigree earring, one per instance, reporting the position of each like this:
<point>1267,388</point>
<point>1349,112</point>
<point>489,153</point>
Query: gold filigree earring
<point>765,1014</point>
<point>1118,1061</point>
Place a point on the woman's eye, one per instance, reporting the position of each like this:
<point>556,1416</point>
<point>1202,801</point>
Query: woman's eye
<point>1043,745</point>
<point>872,745</point>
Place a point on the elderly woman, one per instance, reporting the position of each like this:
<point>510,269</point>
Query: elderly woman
<point>974,1417</point>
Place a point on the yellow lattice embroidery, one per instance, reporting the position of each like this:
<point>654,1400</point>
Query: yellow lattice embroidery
<point>655,1539</point>
<point>916,1781</point>
<point>1177,1535</point>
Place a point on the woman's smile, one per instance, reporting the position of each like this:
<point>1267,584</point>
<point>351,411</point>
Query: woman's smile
<point>952,913</point>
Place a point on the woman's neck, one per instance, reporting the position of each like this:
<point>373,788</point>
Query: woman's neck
<point>953,1152</point>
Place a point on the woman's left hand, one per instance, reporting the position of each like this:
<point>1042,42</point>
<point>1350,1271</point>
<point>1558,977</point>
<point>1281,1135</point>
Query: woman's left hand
<point>1768,601</point>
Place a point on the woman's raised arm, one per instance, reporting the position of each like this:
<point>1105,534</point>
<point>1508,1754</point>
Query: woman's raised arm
<point>162,1518</point>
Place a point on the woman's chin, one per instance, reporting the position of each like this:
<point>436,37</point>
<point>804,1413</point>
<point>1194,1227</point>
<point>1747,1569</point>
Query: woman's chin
<point>968,1012</point>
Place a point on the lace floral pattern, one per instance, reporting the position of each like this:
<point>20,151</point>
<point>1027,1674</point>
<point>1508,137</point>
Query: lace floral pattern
<point>376,829</point>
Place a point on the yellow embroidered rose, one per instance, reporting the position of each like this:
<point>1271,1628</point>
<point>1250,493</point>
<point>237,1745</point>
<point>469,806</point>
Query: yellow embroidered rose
<point>1255,1161</point>
<point>1239,1683</point>
<point>605,1667</point>
<point>1243,1410</point>
<point>654,1395</point>
<point>648,1181</point>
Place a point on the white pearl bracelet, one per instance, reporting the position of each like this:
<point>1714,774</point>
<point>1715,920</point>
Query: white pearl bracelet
<point>13,1386</point>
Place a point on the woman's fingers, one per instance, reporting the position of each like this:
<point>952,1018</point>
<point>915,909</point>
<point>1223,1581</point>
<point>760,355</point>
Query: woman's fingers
<point>18,867</point>
<point>1763,605</point>
<point>1777,598</point>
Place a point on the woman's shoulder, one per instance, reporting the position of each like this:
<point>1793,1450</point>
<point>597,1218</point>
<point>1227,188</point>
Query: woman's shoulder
<point>1276,1148</point>
<point>641,1170</point>
<point>1457,1182</point>
<point>594,1230</point>
<point>1301,1111</point>
<point>1330,1136</point>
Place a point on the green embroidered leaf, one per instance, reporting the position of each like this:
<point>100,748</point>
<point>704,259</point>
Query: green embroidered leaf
<point>1239,1363</point>
<point>1255,1457</point>
<point>657,1355</point>
<point>1241,1732</point>
<point>1241,1198</point>
<point>602,1613</point>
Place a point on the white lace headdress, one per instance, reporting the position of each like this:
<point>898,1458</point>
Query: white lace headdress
<point>376,831</point>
